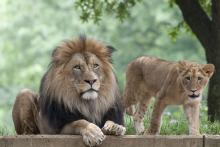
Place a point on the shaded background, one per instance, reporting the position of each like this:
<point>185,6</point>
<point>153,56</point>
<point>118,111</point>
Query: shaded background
<point>30,30</point>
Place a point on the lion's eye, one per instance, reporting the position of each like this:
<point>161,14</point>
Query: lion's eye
<point>199,78</point>
<point>77,67</point>
<point>188,78</point>
<point>95,66</point>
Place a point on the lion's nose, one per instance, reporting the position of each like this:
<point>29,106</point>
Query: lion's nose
<point>90,81</point>
<point>193,91</point>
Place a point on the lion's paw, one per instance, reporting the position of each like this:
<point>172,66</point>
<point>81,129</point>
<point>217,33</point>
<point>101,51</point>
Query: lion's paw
<point>92,135</point>
<point>111,128</point>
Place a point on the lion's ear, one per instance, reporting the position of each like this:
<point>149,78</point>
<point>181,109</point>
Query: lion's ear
<point>111,49</point>
<point>182,65</point>
<point>209,69</point>
<point>57,57</point>
<point>54,52</point>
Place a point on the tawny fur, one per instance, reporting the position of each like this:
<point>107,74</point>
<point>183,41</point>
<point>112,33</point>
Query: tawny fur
<point>171,83</point>
<point>80,79</point>
<point>61,87</point>
<point>25,112</point>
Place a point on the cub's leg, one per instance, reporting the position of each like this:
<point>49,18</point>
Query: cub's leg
<point>134,89</point>
<point>25,112</point>
<point>92,134</point>
<point>155,123</point>
<point>131,110</point>
<point>136,100</point>
<point>130,99</point>
<point>139,115</point>
<point>192,115</point>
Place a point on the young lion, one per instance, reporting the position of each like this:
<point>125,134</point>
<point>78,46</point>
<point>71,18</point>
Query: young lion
<point>79,94</point>
<point>171,83</point>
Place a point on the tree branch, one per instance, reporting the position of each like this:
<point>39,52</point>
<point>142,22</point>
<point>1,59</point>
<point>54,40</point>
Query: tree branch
<point>197,19</point>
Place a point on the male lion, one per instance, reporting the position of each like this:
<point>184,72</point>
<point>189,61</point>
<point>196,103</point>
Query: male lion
<point>171,83</point>
<point>78,95</point>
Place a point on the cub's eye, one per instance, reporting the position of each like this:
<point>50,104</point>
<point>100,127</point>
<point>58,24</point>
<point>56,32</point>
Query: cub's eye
<point>77,67</point>
<point>187,78</point>
<point>199,78</point>
<point>95,66</point>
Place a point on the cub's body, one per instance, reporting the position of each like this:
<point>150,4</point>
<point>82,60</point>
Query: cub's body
<point>171,83</point>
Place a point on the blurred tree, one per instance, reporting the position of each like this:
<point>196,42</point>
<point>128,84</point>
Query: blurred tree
<point>203,18</point>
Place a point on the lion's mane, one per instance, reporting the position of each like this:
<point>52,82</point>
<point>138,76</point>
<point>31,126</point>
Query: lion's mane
<point>59,101</point>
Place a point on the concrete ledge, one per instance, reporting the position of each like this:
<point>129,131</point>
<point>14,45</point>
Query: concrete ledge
<point>111,141</point>
<point>212,141</point>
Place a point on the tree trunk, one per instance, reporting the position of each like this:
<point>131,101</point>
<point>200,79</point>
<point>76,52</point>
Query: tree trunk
<point>214,93</point>
<point>213,56</point>
<point>208,33</point>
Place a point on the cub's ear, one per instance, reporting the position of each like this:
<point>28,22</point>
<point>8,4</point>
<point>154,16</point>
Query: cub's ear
<point>209,69</point>
<point>111,49</point>
<point>181,66</point>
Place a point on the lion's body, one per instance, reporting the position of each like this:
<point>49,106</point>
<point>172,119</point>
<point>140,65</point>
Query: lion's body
<point>78,94</point>
<point>148,77</point>
<point>26,109</point>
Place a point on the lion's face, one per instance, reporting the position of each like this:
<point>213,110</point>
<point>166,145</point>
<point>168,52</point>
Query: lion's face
<point>194,77</point>
<point>81,68</point>
<point>85,71</point>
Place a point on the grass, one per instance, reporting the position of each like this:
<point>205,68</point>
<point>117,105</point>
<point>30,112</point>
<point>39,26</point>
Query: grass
<point>174,123</point>
<point>5,131</point>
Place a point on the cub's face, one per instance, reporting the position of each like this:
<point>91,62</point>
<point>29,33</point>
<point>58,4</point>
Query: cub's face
<point>194,77</point>
<point>86,73</point>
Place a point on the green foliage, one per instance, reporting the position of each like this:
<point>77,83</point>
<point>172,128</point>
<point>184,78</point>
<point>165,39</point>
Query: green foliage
<point>206,5</point>
<point>121,9</point>
<point>4,131</point>
<point>94,9</point>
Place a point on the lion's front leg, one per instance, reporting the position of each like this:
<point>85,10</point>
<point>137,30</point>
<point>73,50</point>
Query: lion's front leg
<point>113,121</point>
<point>192,115</point>
<point>111,128</point>
<point>92,134</point>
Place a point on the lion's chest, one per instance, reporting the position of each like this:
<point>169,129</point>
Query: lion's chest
<point>92,114</point>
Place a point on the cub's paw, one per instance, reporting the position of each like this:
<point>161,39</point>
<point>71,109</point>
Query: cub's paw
<point>92,135</point>
<point>130,110</point>
<point>111,128</point>
<point>152,131</point>
<point>139,127</point>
